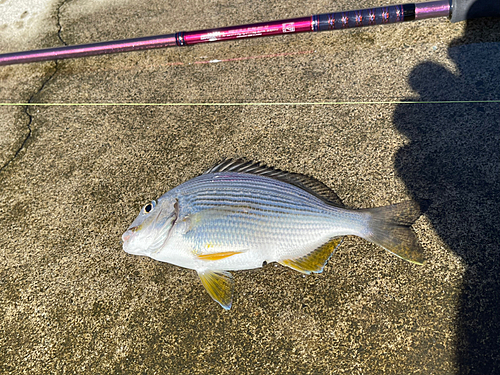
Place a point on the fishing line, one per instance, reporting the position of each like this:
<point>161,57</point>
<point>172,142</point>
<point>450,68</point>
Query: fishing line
<point>249,104</point>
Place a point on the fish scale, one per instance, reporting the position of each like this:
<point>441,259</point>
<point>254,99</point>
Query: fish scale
<point>247,215</point>
<point>282,207</point>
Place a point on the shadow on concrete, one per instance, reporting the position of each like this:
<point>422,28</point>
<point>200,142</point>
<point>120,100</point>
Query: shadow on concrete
<point>453,158</point>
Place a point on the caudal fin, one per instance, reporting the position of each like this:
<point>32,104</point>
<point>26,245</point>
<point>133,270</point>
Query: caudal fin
<point>390,227</point>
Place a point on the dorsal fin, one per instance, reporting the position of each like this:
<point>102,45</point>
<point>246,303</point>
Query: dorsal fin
<point>309,184</point>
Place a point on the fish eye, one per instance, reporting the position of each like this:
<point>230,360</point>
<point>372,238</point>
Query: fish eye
<point>149,207</point>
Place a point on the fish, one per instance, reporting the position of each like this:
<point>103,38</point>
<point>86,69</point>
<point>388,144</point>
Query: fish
<point>242,214</point>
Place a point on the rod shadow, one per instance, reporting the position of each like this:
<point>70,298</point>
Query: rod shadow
<point>453,159</point>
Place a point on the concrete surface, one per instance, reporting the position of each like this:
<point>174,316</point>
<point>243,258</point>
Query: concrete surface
<point>73,178</point>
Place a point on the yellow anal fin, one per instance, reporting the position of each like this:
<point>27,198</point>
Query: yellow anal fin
<point>217,256</point>
<point>315,260</point>
<point>219,284</point>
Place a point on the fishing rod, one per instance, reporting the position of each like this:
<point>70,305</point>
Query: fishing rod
<point>456,10</point>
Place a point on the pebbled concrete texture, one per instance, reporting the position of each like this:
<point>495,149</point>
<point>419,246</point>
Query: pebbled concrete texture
<point>74,177</point>
<point>23,26</point>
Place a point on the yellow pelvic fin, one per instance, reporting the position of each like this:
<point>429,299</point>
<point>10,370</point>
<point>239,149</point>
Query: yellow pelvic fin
<point>217,256</point>
<point>219,284</point>
<point>315,260</point>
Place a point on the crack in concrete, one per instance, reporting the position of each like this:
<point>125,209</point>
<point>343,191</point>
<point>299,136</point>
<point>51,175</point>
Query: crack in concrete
<point>30,119</point>
<point>59,31</point>
<point>26,109</point>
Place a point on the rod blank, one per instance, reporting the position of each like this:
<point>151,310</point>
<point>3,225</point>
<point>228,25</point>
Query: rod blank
<point>321,22</point>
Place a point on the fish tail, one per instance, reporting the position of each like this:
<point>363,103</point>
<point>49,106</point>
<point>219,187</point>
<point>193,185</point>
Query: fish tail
<point>390,227</point>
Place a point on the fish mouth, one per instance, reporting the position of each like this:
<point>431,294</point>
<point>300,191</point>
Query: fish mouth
<point>126,236</point>
<point>129,233</point>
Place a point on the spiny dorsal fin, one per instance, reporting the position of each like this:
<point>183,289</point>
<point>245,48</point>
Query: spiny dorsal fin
<point>220,285</point>
<point>314,261</point>
<point>309,184</point>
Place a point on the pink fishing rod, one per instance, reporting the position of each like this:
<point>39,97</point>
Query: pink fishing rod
<point>457,10</point>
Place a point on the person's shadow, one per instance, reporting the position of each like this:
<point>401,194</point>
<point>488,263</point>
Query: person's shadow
<point>453,159</point>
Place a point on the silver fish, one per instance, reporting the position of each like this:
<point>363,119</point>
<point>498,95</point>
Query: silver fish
<point>240,215</point>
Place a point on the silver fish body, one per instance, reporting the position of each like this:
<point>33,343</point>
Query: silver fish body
<point>241,215</point>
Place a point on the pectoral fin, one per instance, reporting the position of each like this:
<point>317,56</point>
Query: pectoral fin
<point>220,285</point>
<point>217,256</point>
<point>314,261</point>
